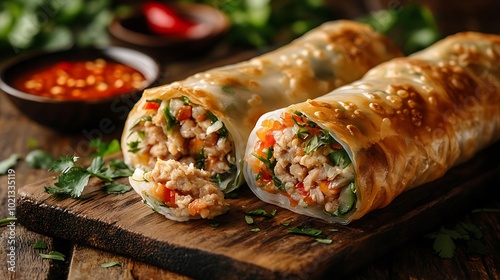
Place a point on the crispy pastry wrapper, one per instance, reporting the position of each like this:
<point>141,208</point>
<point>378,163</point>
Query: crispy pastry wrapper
<point>406,122</point>
<point>327,57</point>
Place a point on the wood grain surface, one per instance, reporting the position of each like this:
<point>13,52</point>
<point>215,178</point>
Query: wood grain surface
<point>123,224</point>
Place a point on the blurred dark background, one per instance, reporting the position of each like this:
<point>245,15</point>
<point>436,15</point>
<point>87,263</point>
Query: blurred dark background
<point>57,24</point>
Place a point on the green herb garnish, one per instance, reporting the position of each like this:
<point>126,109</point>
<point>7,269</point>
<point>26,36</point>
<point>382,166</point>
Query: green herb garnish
<point>116,188</point>
<point>444,240</point>
<point>171,120</point>
<point>339,158</point>
<point>261,212</point>
<point>270,163</point>
<point>111,264</point>
<point>306,231</point>
<point>324,240</point>
<point>102,148</point>
<point>317,141</point>
<point>255,229</point>
<point>134,146</point>
<point>249,220</point>
<point>53,255</point>
<point>8,163</point>
<point>40,245</point>
<point>6,221</point>
<point>39,159</point>
<point>222,132</point>
<point>73,178</point>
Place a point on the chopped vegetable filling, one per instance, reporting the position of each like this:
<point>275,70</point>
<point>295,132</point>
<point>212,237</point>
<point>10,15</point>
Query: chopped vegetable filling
<point>299,159</point>
<point>180,130</point>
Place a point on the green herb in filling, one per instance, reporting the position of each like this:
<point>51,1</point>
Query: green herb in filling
<point>339,158</point>
<point>270,164</point>
<point>134,146</point>
<point>317,141</point>
<point>222,132</point>
<point>171,120</point>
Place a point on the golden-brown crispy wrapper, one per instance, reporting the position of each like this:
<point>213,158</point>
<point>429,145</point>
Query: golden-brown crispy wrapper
<point>407,121</point>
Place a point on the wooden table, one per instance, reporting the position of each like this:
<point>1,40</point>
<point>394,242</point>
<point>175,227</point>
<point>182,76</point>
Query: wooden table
<point>415,260</point>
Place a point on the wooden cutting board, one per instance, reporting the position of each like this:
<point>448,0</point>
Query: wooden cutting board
<point>123,224</point>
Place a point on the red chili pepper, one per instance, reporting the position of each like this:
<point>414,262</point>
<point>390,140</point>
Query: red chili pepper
<point>151,105</point>
<point>163,20</point>
<point>300,189</point>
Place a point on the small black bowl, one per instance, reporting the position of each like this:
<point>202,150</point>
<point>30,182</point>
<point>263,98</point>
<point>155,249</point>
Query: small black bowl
<point>132,31</point>
<point>76,115</point>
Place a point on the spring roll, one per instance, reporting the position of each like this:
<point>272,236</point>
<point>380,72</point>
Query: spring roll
<point>204,120</point>
<point>405,123</point>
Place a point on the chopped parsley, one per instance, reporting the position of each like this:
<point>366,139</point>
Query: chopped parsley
<point>8,163</point>
<point>317,141</point>
<point>40,245</point>
<point>270,163</point>
<point>339,158</point>
<point>111,264</point>
<point>306,231</point>
<point>53,255</point>
<point>262,213</point>
<point>73,178</point>
<point>171,120</point>
<point>222,132</point>
<point>134,146</point>
<point>249,220</point>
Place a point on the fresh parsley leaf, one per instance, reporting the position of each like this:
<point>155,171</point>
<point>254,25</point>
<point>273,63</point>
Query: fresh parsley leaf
<point>118,168</point>
<point>324,240</point>
<point>117,188</point>
<point>260,212</point>
<point>39,159</point>
<point>444,239</point>
<point>306,231</point>
<point>111,264</point>
<point>102,148</point>
<point>6,221</point>
<point>8,163</point>
<point>70,183</point>
<point>63,164</point>
<point>248,220</point>
<point>53,255</point>
<point>40,245</point>
<point>73,179</point>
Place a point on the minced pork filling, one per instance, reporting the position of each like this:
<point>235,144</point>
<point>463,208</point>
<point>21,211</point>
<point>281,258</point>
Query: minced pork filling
<point>297,158</point>
<point>185,132</point>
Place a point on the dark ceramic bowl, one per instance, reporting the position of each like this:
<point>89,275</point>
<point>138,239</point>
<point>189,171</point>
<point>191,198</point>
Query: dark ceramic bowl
<point>133,31</point>
<point>76,115</point>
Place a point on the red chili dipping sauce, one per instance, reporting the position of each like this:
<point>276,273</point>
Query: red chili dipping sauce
<point>77,80</point>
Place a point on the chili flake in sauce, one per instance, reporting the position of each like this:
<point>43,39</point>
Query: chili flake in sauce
<point>77,80</point>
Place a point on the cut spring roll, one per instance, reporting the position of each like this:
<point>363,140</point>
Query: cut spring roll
<point>405,123</point>
<point>205,120</point>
